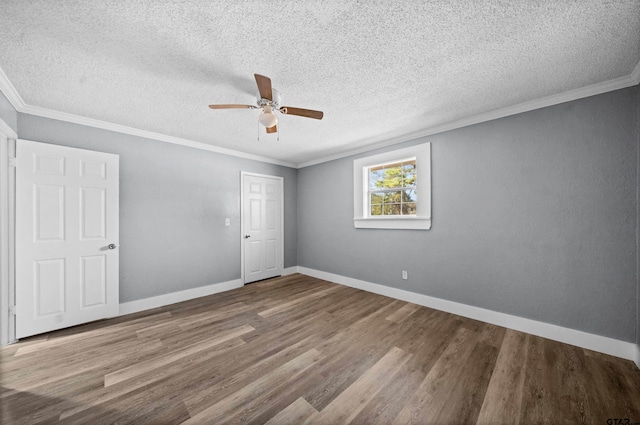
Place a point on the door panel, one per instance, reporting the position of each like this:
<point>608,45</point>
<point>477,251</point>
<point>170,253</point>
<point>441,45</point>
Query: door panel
<point>255,214</point>
<point>93,213</point>
<point>49,213</point>
<point>48,279</point>
<point>94,280</point>
<point>52,165</point>
<point>66,217</point>
<point>270,214</point>
<point>254,257</point>
<point>271,254</point>
<point>262,226</point>
<point>93,169</point>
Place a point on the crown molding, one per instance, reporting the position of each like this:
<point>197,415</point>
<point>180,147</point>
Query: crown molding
<point>10,92</point>
<point>568,96</point>
<point>91,122</point>
<point>19,104</point>
<point>606,86</point>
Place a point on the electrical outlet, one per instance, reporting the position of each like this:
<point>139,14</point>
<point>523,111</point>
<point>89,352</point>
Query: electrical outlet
<point>405,276</point>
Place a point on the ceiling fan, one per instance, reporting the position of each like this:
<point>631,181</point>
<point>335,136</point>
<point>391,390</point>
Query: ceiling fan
<point>269,102</point>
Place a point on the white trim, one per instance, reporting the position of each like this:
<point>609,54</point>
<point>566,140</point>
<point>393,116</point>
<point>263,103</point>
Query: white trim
<point>4,236</point>
<point>18,103</point>
<point>7,131</point>
<point>11,183</point>
<point>242,231</point>
<point>632,79</point>
<point>637,356</point>
<point>7,229</point>
<point>582,339</point>
<point>555,99</point>
<point>10,92</point>
<point>361,214</point>
<point>176,297</point>
<point>398,223</point>
<point>289,270</point>
<point>77,119</point>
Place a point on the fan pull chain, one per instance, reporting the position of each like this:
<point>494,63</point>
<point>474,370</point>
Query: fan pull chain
<point>277,132</point>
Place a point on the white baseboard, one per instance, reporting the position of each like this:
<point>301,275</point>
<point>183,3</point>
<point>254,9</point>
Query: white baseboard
<point>176,297</point>
<point>602,344</point>
<point>289,270</point>
<point>187,294</point>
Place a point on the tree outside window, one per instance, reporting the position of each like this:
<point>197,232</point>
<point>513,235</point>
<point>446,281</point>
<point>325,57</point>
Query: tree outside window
<point>392,189</point>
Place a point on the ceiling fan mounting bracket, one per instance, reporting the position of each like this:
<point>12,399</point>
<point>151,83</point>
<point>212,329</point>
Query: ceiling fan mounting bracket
<point>275,103</point>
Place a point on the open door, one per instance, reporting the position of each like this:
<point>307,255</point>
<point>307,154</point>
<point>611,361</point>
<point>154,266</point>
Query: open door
<point>66,237</point>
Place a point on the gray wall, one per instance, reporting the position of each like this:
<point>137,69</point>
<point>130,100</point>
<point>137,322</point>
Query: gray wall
<point>7,113</point>
<point>173,202</point>
<point>534,215</point>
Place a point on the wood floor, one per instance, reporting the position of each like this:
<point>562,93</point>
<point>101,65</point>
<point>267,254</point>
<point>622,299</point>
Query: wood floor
<point>296,350</point>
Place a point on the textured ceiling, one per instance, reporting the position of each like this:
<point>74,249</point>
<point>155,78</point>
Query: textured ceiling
<point>378,69</point>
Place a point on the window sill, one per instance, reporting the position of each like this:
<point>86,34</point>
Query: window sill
<point>410,223</point>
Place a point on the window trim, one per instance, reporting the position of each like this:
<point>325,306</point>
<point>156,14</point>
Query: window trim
<point>422,219</point>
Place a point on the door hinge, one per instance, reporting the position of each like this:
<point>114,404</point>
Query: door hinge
<point>12,310</point>
<point>13,162</point>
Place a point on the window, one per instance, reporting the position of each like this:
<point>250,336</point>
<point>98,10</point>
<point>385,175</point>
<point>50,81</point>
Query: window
<point>393,190</point>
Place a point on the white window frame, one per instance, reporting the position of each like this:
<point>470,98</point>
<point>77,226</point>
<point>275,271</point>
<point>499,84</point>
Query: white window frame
<point>361,216</point>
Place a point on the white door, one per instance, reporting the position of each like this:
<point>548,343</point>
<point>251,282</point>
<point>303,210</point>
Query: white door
<point>66,237</point>
<point>262,226</point>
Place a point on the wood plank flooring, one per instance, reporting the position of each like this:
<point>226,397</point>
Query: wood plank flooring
<point>298,350</point>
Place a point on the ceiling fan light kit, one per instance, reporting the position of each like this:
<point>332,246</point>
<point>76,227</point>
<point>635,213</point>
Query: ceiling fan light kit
<point>269,101</point>
<point>267,117</point>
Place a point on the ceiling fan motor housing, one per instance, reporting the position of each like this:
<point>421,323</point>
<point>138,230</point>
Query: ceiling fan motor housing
<point>275,103</point>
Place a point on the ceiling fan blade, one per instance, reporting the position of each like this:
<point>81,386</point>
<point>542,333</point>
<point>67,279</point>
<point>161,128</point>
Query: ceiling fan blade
<point>272,129</point>
<point>309,113</point>
<point>264,86</point>
<point>232,106</point>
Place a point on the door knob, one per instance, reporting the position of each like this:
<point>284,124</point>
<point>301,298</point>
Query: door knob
<point>247,236</point>
<point>111,246</point>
